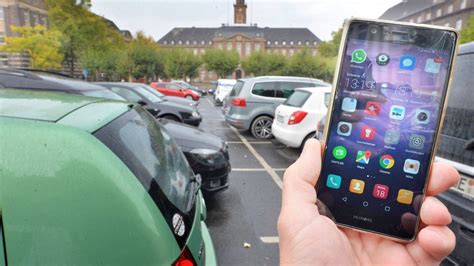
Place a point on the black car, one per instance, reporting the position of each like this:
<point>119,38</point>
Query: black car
<point>207,154</point>
<point>158,107</point>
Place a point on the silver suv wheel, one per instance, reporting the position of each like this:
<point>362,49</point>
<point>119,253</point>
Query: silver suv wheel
<point>261,127</point>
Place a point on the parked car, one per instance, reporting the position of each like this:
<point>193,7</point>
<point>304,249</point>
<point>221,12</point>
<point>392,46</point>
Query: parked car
<point>172,99</point>
<point>89,181</point>
<point>207,154</point>
<point>295,118</point>
<point>175,89</point>
<point>191,87</point>
<point>456,147</point>
<point>21,79</point>
<point>224,86</point>
<point>158,107</point>
<point>252,102</point>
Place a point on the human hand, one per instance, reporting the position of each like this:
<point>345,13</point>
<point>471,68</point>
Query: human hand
<point>306,237</point>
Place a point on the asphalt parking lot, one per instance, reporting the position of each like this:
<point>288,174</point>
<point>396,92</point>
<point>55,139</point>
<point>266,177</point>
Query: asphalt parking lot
<point>247,211</point>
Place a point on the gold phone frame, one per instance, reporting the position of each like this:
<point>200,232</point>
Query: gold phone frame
<point>337,73</point>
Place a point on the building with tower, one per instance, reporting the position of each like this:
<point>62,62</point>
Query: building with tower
<point>242,37</point>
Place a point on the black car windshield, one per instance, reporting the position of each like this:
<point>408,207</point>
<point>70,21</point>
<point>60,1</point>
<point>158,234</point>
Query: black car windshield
<point>151,90</point>
<point>152,155</point>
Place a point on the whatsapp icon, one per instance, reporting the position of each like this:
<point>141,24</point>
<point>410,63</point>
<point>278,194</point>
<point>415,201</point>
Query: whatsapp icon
<point>358,56</point>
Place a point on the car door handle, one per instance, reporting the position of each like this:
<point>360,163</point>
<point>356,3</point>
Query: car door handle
<point>469,145</point>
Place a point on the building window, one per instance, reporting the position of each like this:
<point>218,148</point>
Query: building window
<point>195,51</point>
<point>257,47</point>
<point>283,43</point>
<point>428,16</point>
<point>292,52</point>
<point>248,48</point>
<point>35,19</point>
<point>210,42</point>
<point>220,46</point>
<point>419,19</point>
<point>450,8</point>
<point>195,42</point>
<point>165,42</point>
<point>283,52</point>
<point>307,43</point>
<point>299,42</point>
<point>203,42</point>
<point>458,24</point>
<point>315,43</point>
<point>238,47</point>
<point>172,42</point>
<point>268,43</point>
<point>292,43</point>
<point>229,46</point>
<point>26,17</point>
<point>463,4</point>
<point>180,42</point>
<point>276,42</point>
<point>187,42</point>
<point>439,12</point>
<point>2,15</point>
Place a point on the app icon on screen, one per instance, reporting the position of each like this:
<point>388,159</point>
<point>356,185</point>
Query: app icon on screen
<point>431,66</point>
<point>416,141</point>
<point>358,56</point>
<point>367,133</point>
<point>421,116</point>
<point>372,108</point>
<point>333,181</point>
<point>349,104</point>
<point>363,157</point>
<point>380,191</point>
<point>357,186</point>
<point>386,161</point>
<point>407,62</point>
<point>392,136</point>
<point>344,128</point>
<point>405,196</point>
<point>382,59</point>
<point>411,166</point>
<point>339,152</point>
<point>397,112</point>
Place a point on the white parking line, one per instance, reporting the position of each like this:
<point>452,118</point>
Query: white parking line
<point>251,142</point>
<point>270,239</point>
<point>260,159</point>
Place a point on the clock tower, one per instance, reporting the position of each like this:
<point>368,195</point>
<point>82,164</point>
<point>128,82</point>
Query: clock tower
<point>240,12</point>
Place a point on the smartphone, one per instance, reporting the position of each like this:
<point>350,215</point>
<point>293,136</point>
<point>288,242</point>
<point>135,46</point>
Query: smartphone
<point>390,92</point>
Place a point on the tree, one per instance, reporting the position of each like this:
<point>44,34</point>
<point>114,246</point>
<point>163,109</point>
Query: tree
<point>180,63</point>
<point>83,32</point>
<point>222,62</point>
<point>42,45</point>
<point>467,33</point>
<point>331,48</point>
<point>303,64</point>
<point>261,63</point>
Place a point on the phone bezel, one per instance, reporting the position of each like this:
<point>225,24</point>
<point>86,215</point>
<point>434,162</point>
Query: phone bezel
<point>328,121</point>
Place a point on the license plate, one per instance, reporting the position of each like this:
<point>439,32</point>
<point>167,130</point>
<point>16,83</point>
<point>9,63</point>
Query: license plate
<point>465,186</point>
<point>280,118</point>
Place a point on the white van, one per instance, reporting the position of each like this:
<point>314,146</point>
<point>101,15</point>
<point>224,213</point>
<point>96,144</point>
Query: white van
<point>224,86</point>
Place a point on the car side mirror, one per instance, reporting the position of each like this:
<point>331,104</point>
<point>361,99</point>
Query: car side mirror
<point>141,102</point>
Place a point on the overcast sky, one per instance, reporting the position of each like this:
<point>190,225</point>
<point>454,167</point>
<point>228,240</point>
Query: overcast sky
<point>157,17</point>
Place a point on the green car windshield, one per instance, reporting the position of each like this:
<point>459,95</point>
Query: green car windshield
<point>153,156</point>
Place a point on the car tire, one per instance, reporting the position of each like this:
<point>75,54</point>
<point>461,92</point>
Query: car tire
<point>261,127</point>
<point>172,118</point>
<point>189,97</point>
<point>310,136</point>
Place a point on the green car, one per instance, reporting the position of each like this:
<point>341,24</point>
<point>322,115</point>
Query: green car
<point>91,181</point>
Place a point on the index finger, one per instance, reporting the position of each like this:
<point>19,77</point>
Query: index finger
<point>443,176</point>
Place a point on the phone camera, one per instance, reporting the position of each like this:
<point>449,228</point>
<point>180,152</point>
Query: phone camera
<point>373,30</point>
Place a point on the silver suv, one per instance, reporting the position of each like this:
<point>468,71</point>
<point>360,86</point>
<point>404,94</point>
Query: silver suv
<point>252,102</point>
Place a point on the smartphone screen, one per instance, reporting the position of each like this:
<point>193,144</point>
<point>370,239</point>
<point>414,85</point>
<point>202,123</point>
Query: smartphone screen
<point>386,112</point>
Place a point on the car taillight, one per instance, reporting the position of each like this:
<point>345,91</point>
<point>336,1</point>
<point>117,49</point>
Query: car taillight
<point>297,117</point>
<point>240,102</point>
<point>185,259</point>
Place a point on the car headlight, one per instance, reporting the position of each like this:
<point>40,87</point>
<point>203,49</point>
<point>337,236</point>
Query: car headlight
<point>206,156</point>
<point>195,114</point>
